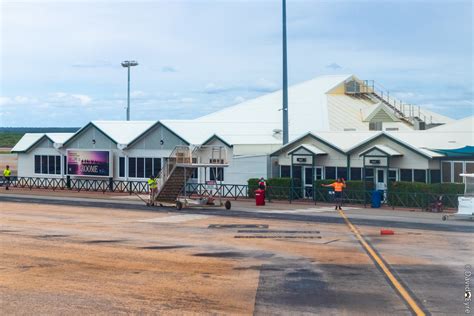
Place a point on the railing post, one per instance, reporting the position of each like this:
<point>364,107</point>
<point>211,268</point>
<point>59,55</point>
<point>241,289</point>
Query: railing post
<point>68,182</point>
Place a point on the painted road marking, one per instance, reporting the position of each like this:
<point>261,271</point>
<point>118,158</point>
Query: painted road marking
<point>298,211</point>
<point>417,310</point>
<point>174,219</point>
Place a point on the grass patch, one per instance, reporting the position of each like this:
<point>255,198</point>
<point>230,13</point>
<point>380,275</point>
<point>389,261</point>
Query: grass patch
<point>8,139</point>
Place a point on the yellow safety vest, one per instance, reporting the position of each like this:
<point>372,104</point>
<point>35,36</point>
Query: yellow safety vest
<point>7,172</point>
<point>152,183</point>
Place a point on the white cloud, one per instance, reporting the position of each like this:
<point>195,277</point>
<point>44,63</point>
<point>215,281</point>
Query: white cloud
<point>239,99</point>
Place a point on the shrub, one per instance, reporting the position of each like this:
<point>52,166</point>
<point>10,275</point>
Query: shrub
<point>415,194</point>
<point>277,188</point>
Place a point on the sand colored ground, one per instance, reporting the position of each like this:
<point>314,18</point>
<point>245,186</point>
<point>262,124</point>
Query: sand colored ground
<point>59,260</point>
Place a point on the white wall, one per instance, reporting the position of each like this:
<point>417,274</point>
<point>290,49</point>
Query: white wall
<point>246,167</point>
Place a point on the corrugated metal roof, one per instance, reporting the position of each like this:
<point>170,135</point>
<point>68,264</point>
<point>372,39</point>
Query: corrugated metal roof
<point>389,151</point>
<point>29,139</point>
<point>313,149</point>
<point>123,132</point>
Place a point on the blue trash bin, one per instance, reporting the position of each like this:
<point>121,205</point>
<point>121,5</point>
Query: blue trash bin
<point>376,199</point>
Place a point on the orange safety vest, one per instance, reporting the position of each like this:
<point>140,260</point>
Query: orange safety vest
<point>338,186</point>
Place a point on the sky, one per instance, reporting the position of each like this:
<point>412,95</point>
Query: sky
<point>60,60</point>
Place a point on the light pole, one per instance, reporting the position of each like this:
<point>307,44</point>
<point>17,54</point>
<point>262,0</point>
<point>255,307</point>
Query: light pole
<point>127,64</point>
<point>285,78</point>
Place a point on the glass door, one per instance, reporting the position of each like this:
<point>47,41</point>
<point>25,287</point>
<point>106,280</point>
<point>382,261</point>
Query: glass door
<point>381,179</point>
<point>308,182</point>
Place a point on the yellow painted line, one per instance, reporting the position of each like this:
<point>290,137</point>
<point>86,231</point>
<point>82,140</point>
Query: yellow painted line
<point>406,296</point>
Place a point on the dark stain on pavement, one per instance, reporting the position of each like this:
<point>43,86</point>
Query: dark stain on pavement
<point>103,241</point>
<point>164,247</point>
<point>299,287</point>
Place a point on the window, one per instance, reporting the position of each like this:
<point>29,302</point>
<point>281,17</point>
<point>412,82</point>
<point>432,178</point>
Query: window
<point>122,167</point>
<point>65,165</point>
<point>369,173</point>
<point>140,167</point>
<point>457,171</point>
<point>419,175</point>
<point>285,171</point>
<point>58,165</point>
<point>446,171</point>
<point>44,164</point>
<point>469,167</point>
<point>319,173</point>
<point>381,176</point>
<point>51,165</point>
<point>47,164</point>
<point>132,167</point>
<point>435,176</point>
<point>375,126</point>
<point>37,164</point>
<point>392,175</point>
<point>156,166</point>
<point>195,173</point>
<point>356,173</point>
<point>342,172</point>
<point>296,172</point>
<point>216,174</point>
<point>330,172</point>
<point>406,175</point>
<point>148,167</point>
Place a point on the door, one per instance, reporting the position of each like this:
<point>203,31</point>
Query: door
<point>308,182</point>
<point>381,179</point>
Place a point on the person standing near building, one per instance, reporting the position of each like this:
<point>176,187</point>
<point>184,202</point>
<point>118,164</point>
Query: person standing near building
<point>262,185</point>
<point>6,176</point>
<point>338,186</point>
<point>152,188</point>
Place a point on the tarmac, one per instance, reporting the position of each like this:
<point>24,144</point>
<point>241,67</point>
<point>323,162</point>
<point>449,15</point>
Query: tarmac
<point>110,254</point>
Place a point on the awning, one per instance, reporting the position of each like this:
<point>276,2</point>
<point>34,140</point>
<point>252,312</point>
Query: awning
<point>309,148</point>
<point>466,151</point>
<point>381,149</point>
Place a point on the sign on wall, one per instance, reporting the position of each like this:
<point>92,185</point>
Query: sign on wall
<point>376,161</point>
<point>302,160</point>
<point>89,163</point>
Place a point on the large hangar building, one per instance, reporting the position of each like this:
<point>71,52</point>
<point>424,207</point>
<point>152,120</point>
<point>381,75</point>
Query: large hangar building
<point>338,126</point>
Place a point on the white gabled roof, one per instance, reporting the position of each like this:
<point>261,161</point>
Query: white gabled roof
<point>29,139</point>
<point>312,149</point>
<point>384,148</point>
<point>123,132</point>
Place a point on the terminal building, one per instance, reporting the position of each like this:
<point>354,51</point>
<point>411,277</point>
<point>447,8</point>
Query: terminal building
<point>340,126</point>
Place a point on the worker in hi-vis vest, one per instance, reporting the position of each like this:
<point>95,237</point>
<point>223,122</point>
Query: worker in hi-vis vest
<point>152,188</point>
<point>6,177</point>
<point>338,186</point>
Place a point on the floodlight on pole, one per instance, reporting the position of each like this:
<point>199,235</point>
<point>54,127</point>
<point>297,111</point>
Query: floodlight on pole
<point>285,77</point>
<point>127,64</point>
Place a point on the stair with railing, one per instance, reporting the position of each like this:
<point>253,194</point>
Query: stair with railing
<point>407,113</point>
<point>180,166</point>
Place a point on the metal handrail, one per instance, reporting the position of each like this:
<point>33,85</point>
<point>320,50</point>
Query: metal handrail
<point>404,111</point>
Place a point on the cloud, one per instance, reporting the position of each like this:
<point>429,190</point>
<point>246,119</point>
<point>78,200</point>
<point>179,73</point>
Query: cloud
<point>334,66</point>
<point>168,69</point>
<point>212,88</point>
<point>239,99</point>
<point>138,94</point>
<point>67,99</point>
<point>264,85</point>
